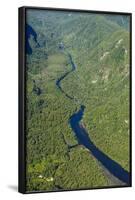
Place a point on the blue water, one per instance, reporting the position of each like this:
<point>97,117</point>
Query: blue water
<point>58,81</point>
<point>30,32</point>
<point>84,139</point>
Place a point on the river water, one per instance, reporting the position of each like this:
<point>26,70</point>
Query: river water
<point>116,174</point>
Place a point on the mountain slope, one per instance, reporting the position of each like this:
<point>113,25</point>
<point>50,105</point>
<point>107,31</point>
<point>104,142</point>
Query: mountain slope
<point>99,46</point>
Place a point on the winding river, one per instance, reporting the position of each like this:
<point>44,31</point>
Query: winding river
<point>116,174</point>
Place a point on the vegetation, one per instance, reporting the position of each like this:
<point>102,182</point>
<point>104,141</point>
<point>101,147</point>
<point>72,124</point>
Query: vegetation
<point>99,46</point>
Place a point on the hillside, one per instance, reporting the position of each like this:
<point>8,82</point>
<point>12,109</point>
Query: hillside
<point>98,47</point>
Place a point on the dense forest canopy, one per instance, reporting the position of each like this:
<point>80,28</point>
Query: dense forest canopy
<point>99,45</point>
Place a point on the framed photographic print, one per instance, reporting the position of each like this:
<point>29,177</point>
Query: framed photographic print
<point>74,99</point>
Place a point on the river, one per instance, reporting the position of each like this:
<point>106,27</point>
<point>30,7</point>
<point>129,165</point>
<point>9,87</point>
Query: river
<point>115,173</point>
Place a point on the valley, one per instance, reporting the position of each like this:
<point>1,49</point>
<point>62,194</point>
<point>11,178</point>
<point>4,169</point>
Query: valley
<point>77,102</point>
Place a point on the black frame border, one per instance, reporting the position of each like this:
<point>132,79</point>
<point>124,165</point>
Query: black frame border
<point>22,96</point>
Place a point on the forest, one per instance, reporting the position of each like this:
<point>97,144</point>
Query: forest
<point>98,46</point>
